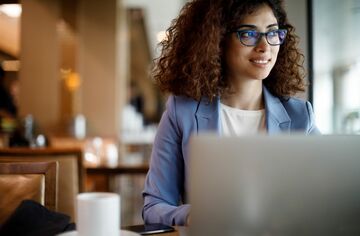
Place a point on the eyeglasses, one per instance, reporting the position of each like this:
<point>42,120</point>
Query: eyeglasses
<point>252,37</point>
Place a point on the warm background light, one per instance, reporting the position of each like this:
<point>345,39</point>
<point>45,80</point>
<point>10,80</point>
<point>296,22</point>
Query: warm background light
<point>11,10</point>
<point>160,36</point>
<point>73,81</point>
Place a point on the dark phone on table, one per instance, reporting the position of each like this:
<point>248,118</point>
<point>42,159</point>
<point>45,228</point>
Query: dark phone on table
<point>149,228</point>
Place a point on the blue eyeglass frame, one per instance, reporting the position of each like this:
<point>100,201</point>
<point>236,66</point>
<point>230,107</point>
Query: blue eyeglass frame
<point>261,34</point>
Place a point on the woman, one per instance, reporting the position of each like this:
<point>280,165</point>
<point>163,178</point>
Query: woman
<point>231,66</point>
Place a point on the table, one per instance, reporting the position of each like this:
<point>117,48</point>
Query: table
<point>120,169</point>
<point>179,231</point>
<point>107,173</point>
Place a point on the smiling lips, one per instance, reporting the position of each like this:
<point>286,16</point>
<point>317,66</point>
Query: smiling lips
<point>260,62</point>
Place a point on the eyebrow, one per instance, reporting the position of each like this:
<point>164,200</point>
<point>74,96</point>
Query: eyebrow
<point>254,26</point>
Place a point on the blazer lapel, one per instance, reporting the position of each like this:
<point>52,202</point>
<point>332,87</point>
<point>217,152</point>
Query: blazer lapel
<point>277,118</point>
<point>207,115</point>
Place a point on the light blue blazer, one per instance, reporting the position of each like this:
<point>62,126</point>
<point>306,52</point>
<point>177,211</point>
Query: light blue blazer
<point>165,185</point>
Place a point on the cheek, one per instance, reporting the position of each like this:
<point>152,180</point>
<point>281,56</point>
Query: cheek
<point>238,55</point>
<point>275,53</point>
<point>235,51</point>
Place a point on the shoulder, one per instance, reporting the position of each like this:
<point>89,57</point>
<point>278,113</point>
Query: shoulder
<point>293,106</point>
<point>296,107</point>
<point>180,115</point>
<point>181,104</point>
<point>301,114</point>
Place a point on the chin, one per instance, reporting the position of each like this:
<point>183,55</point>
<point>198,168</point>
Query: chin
<point>260,76</point>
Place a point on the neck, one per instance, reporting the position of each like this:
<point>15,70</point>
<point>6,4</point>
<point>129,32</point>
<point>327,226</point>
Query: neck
<point>245,96</point>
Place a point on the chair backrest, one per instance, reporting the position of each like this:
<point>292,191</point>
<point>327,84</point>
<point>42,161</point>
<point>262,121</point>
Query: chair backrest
<point>71,171</point>
<point>31,180</point>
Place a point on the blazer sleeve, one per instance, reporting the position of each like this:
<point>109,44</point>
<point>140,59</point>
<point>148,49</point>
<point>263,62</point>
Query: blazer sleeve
<point>164,183</point>
<point>312,128</point>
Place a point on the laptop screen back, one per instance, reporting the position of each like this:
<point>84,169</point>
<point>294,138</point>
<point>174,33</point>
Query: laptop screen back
<point>283,185</point>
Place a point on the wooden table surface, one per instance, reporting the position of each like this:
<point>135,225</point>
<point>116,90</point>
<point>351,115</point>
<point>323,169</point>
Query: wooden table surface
<point>179,231</point>
<point>120,169</point>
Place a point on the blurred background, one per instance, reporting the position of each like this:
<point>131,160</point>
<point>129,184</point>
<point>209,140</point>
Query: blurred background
<point>77,74</point>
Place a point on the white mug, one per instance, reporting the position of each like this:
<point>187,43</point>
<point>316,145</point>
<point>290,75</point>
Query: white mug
<point>98,214</point>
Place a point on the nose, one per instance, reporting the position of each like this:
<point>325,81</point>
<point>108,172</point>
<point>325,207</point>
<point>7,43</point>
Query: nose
<point>262,45</point>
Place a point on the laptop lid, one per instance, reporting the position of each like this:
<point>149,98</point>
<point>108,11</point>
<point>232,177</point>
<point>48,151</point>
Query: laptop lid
<point>275,185</point>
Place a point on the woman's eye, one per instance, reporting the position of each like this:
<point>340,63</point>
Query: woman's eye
<point>272,33</point>
<point>249,34</point>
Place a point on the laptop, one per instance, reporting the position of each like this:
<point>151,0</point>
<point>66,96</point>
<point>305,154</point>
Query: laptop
<point>274,185</point>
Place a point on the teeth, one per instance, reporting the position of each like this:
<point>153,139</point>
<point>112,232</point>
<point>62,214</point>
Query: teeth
<point>260,61</point>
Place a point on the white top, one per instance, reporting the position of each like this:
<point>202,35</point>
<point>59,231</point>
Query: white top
<point>236,122</point>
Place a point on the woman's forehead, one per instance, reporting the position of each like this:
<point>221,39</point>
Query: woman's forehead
<point>262,14</point>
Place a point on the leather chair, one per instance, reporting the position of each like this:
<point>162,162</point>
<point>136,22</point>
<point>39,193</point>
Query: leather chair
<point>32,180</point>
<point>71,171</point>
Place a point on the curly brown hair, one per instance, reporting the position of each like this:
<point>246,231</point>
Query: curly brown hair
<point>191,61</point>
